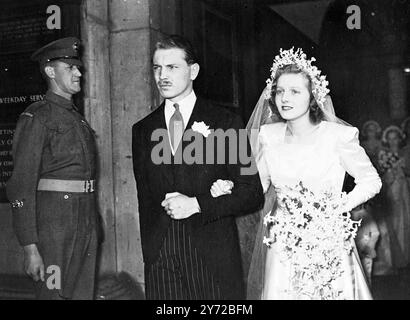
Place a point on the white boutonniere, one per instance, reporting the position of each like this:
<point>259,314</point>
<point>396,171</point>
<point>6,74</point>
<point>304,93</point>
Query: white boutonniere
<point>202,128</point>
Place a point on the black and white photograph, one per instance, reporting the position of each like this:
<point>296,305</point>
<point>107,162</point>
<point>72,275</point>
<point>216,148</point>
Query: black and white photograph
<point>204,154</point>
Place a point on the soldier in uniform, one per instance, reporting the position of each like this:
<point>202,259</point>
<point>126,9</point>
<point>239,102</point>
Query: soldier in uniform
<point>52,186</point>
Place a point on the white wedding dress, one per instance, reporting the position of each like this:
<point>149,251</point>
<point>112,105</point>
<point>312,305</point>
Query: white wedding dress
<point>320,166</point>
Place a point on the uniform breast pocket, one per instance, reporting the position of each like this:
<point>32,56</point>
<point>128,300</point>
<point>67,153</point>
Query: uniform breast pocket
<point>64,126</point>
<point>65,140</point>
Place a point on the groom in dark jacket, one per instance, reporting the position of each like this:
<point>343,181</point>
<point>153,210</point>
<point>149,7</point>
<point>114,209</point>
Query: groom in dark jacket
<point>189,238</point>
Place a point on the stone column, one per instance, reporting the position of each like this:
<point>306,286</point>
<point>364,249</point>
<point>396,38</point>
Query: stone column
<point>131,101</point>
<point>97,109</point>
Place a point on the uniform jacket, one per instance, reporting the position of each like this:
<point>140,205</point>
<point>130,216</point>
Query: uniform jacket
<point>52,140</point>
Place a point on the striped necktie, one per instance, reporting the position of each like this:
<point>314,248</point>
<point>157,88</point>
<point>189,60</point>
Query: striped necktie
<point>176,127</point>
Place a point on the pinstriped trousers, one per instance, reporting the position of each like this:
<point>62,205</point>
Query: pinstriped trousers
<point>179,273</point>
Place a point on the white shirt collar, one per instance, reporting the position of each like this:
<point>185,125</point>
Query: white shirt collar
<point>186,106</point>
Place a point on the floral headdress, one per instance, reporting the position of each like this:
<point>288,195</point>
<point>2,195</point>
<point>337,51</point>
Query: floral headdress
<point>298,58</point>
<point>390,129</point>
<point>369,123</point>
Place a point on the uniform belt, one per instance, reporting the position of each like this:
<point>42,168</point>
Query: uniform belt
<point>85,186</point>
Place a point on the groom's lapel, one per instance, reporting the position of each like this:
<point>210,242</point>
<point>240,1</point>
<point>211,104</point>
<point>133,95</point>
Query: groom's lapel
<point>159,123</point>
<point>197,115</point>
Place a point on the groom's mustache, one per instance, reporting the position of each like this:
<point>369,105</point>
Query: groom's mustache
<point>164,83</point>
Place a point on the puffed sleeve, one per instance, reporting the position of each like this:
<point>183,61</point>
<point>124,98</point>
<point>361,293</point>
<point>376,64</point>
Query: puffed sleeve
<point>28,143</point>
<point>356,162</point>
<point>261,161</point>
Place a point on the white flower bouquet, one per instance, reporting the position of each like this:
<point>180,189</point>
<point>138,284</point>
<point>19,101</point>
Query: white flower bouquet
<point>388,160</point>
<point>313,232</point>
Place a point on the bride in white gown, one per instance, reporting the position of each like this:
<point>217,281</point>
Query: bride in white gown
<point>303,141</point>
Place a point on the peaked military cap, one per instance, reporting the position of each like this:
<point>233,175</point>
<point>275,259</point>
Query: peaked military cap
<point>65,49</point>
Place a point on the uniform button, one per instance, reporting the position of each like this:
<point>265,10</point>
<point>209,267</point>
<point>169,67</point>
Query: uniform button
<point>66,196</point>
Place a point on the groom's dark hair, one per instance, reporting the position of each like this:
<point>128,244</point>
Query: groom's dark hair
<point>176,41</point>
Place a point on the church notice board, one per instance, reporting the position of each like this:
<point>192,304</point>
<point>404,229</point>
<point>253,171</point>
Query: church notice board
<point>24,29</point>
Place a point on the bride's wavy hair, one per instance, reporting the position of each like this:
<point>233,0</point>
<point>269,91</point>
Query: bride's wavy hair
<point>316,114</point>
